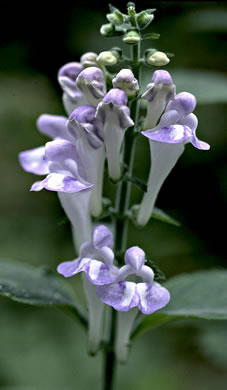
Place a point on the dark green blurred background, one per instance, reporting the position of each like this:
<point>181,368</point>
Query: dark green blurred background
<point>41,349</point>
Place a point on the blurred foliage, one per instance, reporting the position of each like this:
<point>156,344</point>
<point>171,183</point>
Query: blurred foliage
<point>43,349</point>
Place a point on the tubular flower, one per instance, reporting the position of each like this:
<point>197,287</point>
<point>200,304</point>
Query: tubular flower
<point>114,115</point>
<point>125,296</point>
<point>177,127</point>
<point>34,160</point>
<point>72,96</point>
<point>84,127</point>
<point>126,80</point>
<point>91,82</point>
<point>66,177</point>
<point>95,259</point>
<point>158,93</point>
<point>96,262</point>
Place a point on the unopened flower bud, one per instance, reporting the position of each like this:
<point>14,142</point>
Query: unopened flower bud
<point>131,37</point>
<point>107,58</point>
<point>125,80</point>
<point>143,19</point>
<point>158,59</point>
<point>116,17</point>
<point>107,30</point>
<point>88,59</point>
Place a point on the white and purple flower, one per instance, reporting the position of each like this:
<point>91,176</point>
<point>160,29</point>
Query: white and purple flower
<point>72,96</point>
<point>84,129</point>
<point>91,82</point>
<point>126,81</point>
<point>114,115</point>
<point>176,128</point>
<point>158,93</point>
<point>128,297</point>
<point>123,295</point>
<point>95,259</point>
<point>96,262</point>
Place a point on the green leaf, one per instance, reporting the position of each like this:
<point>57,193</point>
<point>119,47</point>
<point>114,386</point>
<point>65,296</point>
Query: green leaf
<point>170,55</point>
<point>112,8</point>
<point>151,36</point>
<point>212,342</point>
<point>150,10</point>
<point>160,215</point>
<point>37,286</point>
<point>201,295</point>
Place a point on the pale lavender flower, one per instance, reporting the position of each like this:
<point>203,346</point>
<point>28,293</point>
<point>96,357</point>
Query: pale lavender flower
<point>130,296</point>
<point>148,295</point>
<point>126,81</point>
<point>65,175</point>
<point>114,115</point>
<point>95,259</point>
<point>96,262</point>
<point>158,93</point>
<point>84,128</point>
<point>72,96</point>
<point>34,160</point>
<point>91,82</point>
<point>176,128</point>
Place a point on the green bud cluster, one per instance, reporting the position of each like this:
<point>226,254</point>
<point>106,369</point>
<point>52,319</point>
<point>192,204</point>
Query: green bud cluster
<point>129,25</point>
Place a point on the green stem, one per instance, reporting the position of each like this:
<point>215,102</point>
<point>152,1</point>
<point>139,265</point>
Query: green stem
<point>121,221</point>
<point>109,356</point>
<point>124,187</point>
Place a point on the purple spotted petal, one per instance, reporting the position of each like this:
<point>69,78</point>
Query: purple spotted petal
<point>102,236</point>
<point>121,296</point>
<point>61,183</point>
<point>34,161</point>
<point>152,298</point>
<point>135,256</point>
<point>53,126</point>
<point>170,134</point>
<point>97,272</point>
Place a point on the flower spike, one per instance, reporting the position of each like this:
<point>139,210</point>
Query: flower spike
<point>114,115</point>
